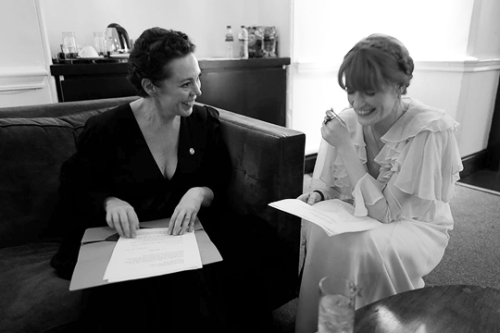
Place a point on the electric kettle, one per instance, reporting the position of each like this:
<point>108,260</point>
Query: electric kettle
<point>117,40</point>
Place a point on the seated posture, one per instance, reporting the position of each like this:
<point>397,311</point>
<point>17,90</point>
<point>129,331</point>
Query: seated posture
<point>162,156</point>
<point>397,159</point>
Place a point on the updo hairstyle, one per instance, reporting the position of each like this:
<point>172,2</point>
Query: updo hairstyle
<point>375,61</point>
<point>155,48</point>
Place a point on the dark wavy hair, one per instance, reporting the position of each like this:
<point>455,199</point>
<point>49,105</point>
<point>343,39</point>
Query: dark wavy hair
<point>375,61</point>
<point>155,48</point>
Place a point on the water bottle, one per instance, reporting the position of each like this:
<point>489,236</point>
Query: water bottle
<point>243,40</point>
<point>229,42</point>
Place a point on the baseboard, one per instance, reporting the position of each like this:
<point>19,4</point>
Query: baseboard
<point>493,154</point>
<point>477,188</point>
<point>309,163</point>
<point>472,163</point>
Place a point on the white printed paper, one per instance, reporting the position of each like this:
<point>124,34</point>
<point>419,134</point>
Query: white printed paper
<point>334,216</point>
<point>153,252</point>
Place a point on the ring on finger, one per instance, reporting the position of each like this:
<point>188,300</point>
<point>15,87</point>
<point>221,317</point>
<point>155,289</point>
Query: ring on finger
<point>330,114</point>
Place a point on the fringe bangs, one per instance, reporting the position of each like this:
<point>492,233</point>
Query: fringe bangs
<point>361,72</point>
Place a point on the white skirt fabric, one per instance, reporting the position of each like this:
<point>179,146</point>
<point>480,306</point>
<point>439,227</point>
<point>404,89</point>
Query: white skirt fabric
<point>382,262</point>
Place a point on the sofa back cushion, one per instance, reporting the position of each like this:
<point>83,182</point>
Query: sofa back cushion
<point>32,151</point>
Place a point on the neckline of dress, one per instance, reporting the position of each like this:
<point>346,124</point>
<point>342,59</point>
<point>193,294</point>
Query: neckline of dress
<point>380,144</point>
<point>158,168</point>
<point>406,107</point>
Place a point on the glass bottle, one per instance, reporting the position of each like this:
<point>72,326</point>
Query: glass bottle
<point>243,40</point>
<point>100,43</point>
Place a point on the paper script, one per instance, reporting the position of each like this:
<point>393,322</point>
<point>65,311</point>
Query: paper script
<point>334,216</point>
<point>153,252</point>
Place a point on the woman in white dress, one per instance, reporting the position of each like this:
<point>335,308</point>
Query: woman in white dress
<point>397,159</point>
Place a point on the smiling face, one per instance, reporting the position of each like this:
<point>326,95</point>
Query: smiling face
<point>375,73</point>
<point>177,93</point>
<point>373,107</point>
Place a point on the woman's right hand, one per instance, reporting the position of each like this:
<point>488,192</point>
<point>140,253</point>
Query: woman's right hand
<point>121,216</point>
<point>310,197</point>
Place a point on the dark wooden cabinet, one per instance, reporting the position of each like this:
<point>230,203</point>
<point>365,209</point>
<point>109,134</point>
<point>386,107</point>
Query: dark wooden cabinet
<point>252,87</point>
<point>85,81</point>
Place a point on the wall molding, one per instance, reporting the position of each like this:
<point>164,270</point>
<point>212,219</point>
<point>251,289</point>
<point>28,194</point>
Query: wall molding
<point>467,65</point>
<point>21,79</point>
<point>462,66</point>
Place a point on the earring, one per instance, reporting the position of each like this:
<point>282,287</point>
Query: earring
<point>401,90</point>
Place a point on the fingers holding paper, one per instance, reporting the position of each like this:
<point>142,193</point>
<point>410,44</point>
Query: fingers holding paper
<point>181,223</point>
<point>310,197</point>
<point>186,212</point>
<point>121,216</point>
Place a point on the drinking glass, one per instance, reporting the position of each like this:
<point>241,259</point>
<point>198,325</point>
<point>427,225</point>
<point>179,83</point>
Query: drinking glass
<point>100,43</point>
<point>69,44</point>
<point>336,305</point>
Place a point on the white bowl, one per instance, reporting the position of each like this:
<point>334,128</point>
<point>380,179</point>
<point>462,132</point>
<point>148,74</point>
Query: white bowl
<point>88,52</point>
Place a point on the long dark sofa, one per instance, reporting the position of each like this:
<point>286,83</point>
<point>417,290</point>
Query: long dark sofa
<point>267,165</point>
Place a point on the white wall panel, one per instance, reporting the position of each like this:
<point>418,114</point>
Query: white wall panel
<point>24,75</point>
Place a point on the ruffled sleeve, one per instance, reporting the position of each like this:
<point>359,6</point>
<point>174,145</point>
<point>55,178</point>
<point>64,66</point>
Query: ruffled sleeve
<point>422,153</point>
<point>423,174</point>
<point>366,192</point>
<point>329,170</point>
<point>430,166</point>
<point>419,165</point>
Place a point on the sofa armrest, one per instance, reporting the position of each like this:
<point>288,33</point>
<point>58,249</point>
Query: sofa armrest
<point>267,165</point>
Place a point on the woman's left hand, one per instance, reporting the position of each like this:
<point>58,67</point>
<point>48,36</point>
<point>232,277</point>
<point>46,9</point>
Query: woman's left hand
<point>185,213</point>
<point>335,131</point>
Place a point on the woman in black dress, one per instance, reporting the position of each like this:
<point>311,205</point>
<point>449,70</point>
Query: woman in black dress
<point>161,156</point>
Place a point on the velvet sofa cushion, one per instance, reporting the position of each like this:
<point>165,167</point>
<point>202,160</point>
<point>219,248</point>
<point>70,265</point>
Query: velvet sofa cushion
<point>33,298</point>
<point>32,151</point>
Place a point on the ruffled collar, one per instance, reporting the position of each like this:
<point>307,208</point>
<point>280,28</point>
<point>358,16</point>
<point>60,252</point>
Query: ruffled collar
<point>419,117</point>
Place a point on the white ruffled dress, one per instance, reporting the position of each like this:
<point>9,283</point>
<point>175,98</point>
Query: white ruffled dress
<point>420,157</point>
